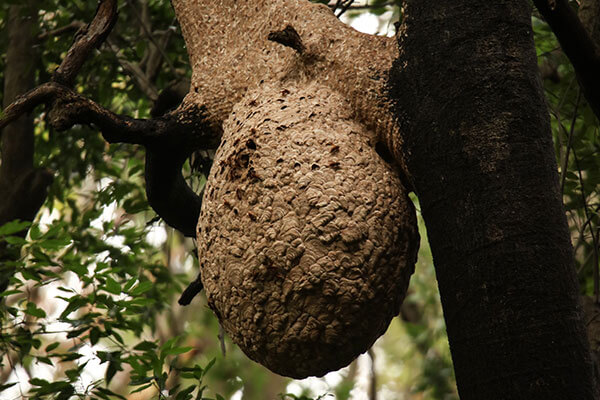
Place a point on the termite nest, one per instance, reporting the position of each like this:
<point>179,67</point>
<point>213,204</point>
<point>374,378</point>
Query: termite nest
<point>307,238</point>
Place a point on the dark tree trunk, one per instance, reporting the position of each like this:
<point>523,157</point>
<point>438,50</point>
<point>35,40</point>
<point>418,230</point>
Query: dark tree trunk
<point>22,187</point>
<point>478,146</point>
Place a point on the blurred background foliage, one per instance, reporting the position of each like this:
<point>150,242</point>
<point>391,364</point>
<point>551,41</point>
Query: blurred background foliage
<point>91,311</point>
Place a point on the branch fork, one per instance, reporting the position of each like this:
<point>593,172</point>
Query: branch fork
<point>169,139</point>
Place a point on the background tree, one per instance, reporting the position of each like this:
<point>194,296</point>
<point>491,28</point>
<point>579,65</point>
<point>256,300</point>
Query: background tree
<point>123,266</point>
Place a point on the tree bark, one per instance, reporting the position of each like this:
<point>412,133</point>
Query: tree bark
<point>22,187</point>
<point>478,146</point>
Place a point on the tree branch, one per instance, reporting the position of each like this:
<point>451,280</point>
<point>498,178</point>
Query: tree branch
<point>93,36</point>
<point>577,45</point>
<point>190,292</point>
<point>73,26</point>
<point>169,140</point>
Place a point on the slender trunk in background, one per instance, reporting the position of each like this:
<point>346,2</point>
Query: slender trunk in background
<point>22,187</point>
<point>479,148</point>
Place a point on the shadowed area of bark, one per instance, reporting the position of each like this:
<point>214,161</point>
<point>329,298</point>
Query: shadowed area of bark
<point>22,187</point>
<point>479,149</point>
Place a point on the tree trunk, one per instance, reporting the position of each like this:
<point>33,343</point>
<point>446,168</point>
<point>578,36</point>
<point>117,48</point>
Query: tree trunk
<point>22,187</point>
<point>478,146</point>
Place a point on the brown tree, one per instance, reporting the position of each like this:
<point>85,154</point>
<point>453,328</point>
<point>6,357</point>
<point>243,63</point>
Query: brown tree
<point>451,109</point>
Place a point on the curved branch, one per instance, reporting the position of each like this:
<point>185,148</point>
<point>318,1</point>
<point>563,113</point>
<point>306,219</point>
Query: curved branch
<point>169,140</point>
<point>577,45</point>
<point>92,37</point>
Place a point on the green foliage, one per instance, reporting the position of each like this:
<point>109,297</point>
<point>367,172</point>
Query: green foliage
<point>577,143</point>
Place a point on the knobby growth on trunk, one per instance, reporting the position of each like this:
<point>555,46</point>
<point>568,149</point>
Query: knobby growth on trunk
<point>304,252</point>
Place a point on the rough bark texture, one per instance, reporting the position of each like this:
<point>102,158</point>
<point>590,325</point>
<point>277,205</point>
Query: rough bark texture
<point>478,146</point>
<point>306,238</point>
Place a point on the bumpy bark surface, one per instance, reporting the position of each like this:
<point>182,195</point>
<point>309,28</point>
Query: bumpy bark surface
<point>306,237</point>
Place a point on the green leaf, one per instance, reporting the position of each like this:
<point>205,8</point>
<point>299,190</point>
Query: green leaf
<point>6,386</point>
<point>70,357</point>
<point>45,360</point>
<point>55,244</point>
<point>32,309</point>
<point>168,344</point>
<point>185,394</point>
<point>141,288</point>
<point>16,240</point>
<point>34,232</point>
<point>107,394</point>
<point>13,227</point>
<point>51,347</point>
<point>38,382</point>
<point>95,334</point>
<point>177,350</point>
<point>113,367</point>
<point>112,286</point>
<point>75,303</point>
<point>129,284</point>
<point>141,388</point>
<point>209,366</point>
<point>145,346</point>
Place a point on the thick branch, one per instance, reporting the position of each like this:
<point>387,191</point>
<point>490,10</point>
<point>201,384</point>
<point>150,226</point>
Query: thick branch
<point>577,45</point>
<point>93,36</point>
<point>169,141</point>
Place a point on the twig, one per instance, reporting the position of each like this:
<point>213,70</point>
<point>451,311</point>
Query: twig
<point>565,165</point>
<point>93,36</point>
<point>136,73</point>
<point>373,383</point>
<point>344,8</point>
<point>594,236</point>
<point>150,37</point>
<point>191,291</point>
<point>577,45</point>
<point>73,26</point>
